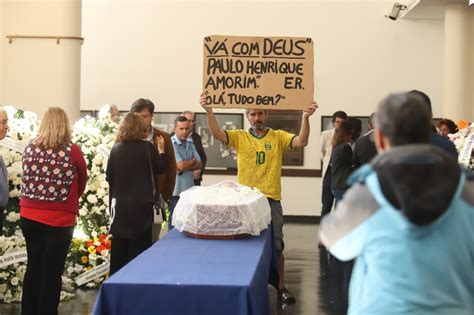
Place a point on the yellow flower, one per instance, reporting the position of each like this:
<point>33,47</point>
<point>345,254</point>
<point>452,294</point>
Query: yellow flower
<point>89,267</point>
<point>91,249</point>
<point>84,259</point>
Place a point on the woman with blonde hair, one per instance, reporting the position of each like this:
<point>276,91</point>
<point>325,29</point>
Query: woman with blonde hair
<point>132,170</point>
<point>54,177</point>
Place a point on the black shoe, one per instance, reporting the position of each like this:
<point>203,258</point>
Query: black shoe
<point>284,296</point>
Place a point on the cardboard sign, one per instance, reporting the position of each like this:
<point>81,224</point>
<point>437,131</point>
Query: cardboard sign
<point>272,73</point>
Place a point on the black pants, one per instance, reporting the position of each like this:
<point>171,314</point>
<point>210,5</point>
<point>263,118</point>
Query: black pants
<point>47,247</point>
<point>327,196</point>
<point>125,249</point>
<point>173,202</point>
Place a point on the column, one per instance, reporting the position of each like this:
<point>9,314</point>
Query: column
<point>459,63</point>
<point>39,73</point>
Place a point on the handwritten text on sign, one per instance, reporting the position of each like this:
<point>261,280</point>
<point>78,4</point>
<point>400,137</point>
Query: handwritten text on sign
<point>258,72</point>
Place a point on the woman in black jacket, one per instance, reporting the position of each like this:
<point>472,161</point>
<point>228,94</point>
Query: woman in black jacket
<point>341,159</point>
<point>131,189</point>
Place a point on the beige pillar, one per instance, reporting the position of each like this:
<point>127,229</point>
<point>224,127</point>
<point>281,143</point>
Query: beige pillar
<point>38,73</point>
<point>472,60</point>
<point>459,63</point>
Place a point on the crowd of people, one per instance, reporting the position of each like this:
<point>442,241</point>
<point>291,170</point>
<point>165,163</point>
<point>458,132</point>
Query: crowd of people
<point>406,219</point>
<point>404,208</point>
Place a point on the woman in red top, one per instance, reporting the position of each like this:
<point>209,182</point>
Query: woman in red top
<point>54,177</point>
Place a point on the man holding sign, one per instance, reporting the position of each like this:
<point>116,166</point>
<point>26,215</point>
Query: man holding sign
<point>259,74</point>
<point>259,160</point>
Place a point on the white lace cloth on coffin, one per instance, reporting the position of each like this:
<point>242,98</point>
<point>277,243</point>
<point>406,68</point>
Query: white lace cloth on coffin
<point>226,208</point>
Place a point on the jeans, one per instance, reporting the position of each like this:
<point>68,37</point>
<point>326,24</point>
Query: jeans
<point>47,247</point>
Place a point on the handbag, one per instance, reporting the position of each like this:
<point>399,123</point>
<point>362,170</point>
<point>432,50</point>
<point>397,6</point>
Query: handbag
<point>157,204</point>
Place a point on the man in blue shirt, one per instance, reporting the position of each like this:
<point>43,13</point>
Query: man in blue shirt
<point>187,160</point>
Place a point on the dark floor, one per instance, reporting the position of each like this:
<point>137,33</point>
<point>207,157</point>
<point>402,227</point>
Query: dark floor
<point>314,277</point>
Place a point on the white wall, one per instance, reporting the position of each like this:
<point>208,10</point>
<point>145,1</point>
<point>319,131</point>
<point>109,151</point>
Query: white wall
<point>153,49</point>
<point>38,73</point>
<point>458,61</point>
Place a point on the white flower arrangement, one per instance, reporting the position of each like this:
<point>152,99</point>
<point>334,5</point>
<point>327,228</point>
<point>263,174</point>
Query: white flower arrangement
<point>11,275</point>
<point>90,133</point>
<point>464,142</point>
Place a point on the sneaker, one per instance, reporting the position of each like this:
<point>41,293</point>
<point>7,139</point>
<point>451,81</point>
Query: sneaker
<point>284,296</point>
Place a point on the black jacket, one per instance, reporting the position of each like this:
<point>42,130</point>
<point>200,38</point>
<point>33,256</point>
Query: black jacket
<point>341,165</point>
<point>364,149</point>
<point>444,143</point>
<point>202,154</point>
<point>128,174</point>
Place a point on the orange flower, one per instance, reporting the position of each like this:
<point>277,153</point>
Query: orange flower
<point>84,259</point>
<point>463,124</point>
<point>108,244</point>
<point>89,243</point>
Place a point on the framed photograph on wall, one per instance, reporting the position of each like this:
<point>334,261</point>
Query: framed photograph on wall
<point>85,113</point>
<point>165,120</point>
<point>218,155</point>
<point>290,121</point>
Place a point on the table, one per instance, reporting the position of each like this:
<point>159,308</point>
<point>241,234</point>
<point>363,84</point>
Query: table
<point>182,275</point>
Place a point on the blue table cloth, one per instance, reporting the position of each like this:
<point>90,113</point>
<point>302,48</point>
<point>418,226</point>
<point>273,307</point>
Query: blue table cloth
<point>182,275</point>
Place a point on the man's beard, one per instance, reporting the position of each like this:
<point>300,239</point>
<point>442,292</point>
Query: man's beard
<point>259,126</point>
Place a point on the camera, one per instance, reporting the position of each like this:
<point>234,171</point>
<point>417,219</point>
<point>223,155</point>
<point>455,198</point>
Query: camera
<point>395,12</point>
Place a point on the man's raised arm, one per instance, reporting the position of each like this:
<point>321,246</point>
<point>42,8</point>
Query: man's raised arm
<point>216,131</point>
<point>302,139</point>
